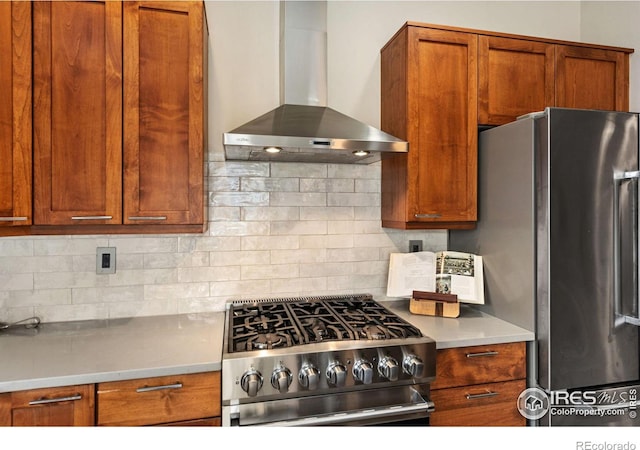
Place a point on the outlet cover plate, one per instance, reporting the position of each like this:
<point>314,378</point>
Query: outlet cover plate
<point>105,260</point>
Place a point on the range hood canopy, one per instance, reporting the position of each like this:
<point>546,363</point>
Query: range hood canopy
<point>303,128</point>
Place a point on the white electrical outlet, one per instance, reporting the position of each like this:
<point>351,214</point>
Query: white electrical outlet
<point>106,260</point>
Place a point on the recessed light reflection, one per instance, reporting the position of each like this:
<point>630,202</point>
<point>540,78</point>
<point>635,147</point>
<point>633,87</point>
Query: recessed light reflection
<point>360,153</point>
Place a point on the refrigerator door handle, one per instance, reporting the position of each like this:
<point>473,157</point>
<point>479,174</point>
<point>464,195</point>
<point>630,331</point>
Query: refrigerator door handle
<point>618,317</point>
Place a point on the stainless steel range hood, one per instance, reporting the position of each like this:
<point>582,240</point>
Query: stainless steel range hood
<point>303,128</point>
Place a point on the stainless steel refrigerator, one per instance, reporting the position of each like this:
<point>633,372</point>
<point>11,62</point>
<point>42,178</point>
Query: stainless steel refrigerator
<point>558,232</point>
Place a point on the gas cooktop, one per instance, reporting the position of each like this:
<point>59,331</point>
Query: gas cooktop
<point>282,323</point>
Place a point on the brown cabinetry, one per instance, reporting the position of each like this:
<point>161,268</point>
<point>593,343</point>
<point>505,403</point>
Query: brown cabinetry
<point>62,406</point>
<point>428,82</point>
<point>118,101</point>
<point>164,54</point>
<point>171,400</point>
<point>479,385</point>
<point>439,84</point>
<point>15,117</point>
<point>77,71</point>
<point>592,78</point>
<point>515,77</point>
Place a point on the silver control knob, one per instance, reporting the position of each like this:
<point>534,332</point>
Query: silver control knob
<point>281,379</point>
<point>363,371</point>
<point>336,374</point>
<point>413,365</point>
<point>388,368</point>
<point>309,376</point>
<point>251,382</point>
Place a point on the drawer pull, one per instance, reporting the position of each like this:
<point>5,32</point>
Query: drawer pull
<point>475,355</point>
<point>44,401</point>
<point>427,216</point>
<point>13,219</point>
<point>482,395</point>
<point>91,217</point>
<point>147,217</point>
<point>159,388</point>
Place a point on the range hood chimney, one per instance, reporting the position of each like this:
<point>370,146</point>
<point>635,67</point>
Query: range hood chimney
<point>303,128</point>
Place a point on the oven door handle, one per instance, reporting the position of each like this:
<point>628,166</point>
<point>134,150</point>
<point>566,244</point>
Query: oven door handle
<point>425,407</point>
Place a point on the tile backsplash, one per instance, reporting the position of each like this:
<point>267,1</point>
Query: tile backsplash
<point>275,229</point>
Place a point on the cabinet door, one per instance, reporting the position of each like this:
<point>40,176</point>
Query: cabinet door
<point>515,77</point>
<point>64,406</point>
<point>164,112</point>
<point>492,404</point>
<point>77,67</point>
<point>443,134</point>
<point>591,78</point>
<point>160,400</point>
<point>15,114</point>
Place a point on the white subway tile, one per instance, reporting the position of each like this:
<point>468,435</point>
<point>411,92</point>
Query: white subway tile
<point>241,258</point>
<point>224,184</point>
<point>17,282</point>
<point>298,228</point>
<point>298,256</point>
<point>298,199</point>
<point>239,169</point>
<point>223,213</point>
<point>240,289</point>
<point>40,297</point>
<point>371,171</point>
<point>220,273</point>
<point>16,247</point>
<point>268,213</point>
<point>270,184</point>
<point>240,229</point>
<point>292,170</point>
<point>326,213</point>
<point>175,291</point>
<point>326,185</point>
<point>238,199</point>
<point>355,199</point>
<point>270,242</point>
<point>270,272</point>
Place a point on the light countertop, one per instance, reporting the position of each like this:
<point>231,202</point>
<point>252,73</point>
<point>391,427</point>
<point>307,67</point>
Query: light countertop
<point>84,352</point>
<point>68,353</point>
<point>472,327</point>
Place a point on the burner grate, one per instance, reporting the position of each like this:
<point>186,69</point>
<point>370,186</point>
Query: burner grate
<point>287,322</point>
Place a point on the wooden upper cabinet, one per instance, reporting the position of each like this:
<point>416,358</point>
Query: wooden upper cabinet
<point>77,112</point>
<point>592,78</point>
<point>164,112</point>
<point>15,115</point>
<point>429,79</point>
<point>440,84</point>
<point>119,116</point>
<point>515,77</point>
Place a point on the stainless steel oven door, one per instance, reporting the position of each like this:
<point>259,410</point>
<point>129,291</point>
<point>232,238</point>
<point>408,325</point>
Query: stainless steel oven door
<point>364,407</point>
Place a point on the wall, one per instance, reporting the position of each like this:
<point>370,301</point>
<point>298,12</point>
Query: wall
<point>616,23</point>
<point>275,230</point>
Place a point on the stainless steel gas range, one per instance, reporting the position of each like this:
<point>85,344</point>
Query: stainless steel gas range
<point>334,360</point>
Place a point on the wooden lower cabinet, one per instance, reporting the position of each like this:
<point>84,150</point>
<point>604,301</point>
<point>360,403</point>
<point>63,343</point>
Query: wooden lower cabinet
<point>479,385</point>
<point>189,400</point>
<point>60,406</point>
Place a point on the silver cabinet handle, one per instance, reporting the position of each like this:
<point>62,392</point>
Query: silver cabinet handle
<point>159,388</point>
<point>482,395</point>
<point>427,216</point>
<point>91,217</point>
<point>475,355</point>
<point>12,219</point>
<point>44,401</point>
<point>148,218</point>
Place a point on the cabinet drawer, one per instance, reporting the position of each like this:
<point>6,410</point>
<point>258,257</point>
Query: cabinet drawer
<point>480,364</point>
<point>159,400</point>
<point>491,404</point>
